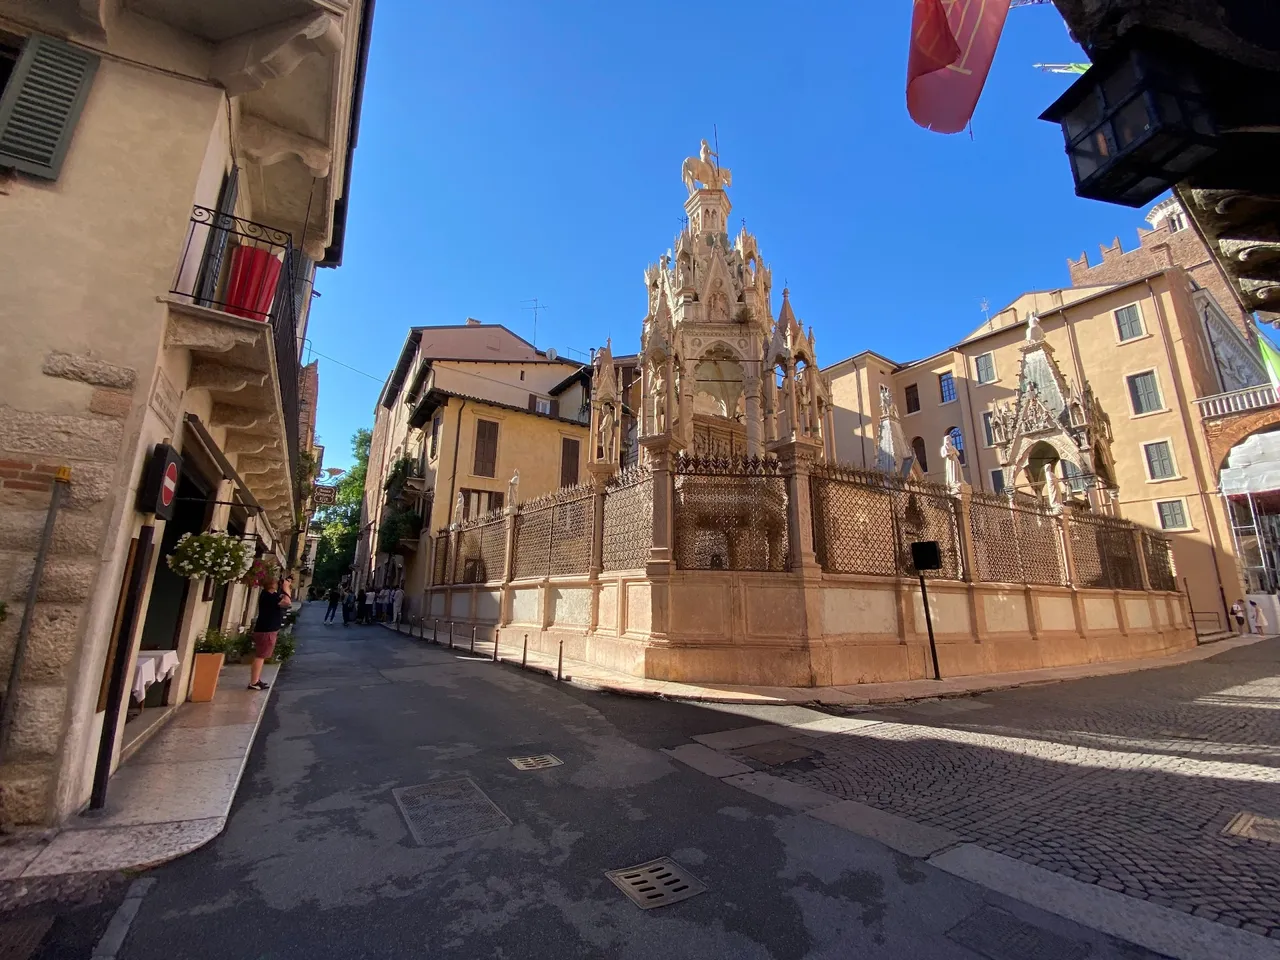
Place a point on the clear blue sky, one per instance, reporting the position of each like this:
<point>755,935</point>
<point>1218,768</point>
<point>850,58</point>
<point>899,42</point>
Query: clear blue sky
<point>512,150</point>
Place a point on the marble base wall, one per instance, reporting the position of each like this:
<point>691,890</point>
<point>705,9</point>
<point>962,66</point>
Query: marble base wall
<point>817,629</point>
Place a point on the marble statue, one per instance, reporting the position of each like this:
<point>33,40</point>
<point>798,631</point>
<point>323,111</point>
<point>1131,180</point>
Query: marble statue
<point>888,408</point>
<point>608,422</point>
<point>704,169</point>
<point>1051,489</point>
<point>659,386</point>
<point>459,509</point>
<point>513,489</point>
<point>951,458</point>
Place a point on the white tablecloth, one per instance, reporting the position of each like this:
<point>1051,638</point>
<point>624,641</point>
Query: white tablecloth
<point>153,666</point>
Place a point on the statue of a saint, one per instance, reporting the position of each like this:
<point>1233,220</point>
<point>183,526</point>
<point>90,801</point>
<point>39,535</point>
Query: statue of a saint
<point>951,459</point>
<point>1052,491</point>
<point>658,384</point>
<point>459,509</point>
<point>608,423</point>
<point>513,489</point>
<point>888,408</point>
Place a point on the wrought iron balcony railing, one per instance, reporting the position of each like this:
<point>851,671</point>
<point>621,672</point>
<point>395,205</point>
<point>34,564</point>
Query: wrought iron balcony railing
<point>252,271</point>
<point>1238,401</point>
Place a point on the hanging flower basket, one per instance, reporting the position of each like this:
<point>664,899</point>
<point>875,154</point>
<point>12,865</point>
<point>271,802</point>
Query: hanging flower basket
<point>262,570</point>
<point>218,556</point>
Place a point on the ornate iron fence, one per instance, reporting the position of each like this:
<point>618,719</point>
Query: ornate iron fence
<point>1015,540</point>
<point>440,566</point>
<point>865,522</point>
<point>553,535</point>
<point>1103,548</point>
<point>482,549</point>
<point>1158,552</point>
<point>628,519</point>
<point>730,514</point>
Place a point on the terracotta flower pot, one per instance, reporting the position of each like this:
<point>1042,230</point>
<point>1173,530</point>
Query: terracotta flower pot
<point>204,679</point>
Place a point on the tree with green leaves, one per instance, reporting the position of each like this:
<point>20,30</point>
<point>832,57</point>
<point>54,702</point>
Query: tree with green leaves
<point>339,525</point>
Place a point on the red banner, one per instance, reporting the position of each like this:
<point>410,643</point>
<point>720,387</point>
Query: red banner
<point>952,45</point>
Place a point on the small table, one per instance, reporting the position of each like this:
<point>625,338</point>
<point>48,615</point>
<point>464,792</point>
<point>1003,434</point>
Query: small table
<point>153,666</point>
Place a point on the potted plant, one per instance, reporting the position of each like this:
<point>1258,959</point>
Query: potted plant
<point>218,556</point>
<point>210,654</point>
<point>261,570</point>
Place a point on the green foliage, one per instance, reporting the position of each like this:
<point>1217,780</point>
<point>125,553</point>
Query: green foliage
<point>339,524</point>
<point>397,525</point>
<point>397,475</point>
<point>286,646</point>
<point>213,641</point>
<point>219,556</point>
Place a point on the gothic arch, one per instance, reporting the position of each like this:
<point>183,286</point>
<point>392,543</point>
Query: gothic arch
<point>1223,435</point>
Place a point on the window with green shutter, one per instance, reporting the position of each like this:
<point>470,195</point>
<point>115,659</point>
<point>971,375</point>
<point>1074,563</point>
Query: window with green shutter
<point>1159,460</point>
<point>486,448</point>
<point>1173,514</point>
<point>1129,322</point>
<point>1144,392</point>
<point>41,104</point>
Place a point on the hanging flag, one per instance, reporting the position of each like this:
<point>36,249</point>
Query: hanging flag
<point>948,61</point>
<point>1270,358</point>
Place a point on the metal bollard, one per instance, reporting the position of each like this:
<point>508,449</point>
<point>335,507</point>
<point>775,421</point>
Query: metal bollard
<point>450,634</point>
<point>473,638</point>
<point>435,630</point>
<point>495,644</point>
<point>524,654</point>
<point>560,662</point>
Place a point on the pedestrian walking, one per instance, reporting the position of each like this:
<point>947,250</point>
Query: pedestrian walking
<point>370,598</point>
<point>1237,612</point>
<point>335,598</point>
<point>348,608</point>
<point>273,603</point>
<point>397,604</point>
<point>1259,618</point>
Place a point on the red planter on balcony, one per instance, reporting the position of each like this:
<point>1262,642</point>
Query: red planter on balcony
<point>252,283</point>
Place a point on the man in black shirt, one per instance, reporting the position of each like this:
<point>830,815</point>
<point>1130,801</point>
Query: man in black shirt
<point>272,606</point>
<point>335,598</point>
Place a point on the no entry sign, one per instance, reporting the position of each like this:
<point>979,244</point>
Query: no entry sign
<point>158,492</point>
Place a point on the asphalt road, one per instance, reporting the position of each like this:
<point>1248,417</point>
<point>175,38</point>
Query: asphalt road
<point>317,860</point>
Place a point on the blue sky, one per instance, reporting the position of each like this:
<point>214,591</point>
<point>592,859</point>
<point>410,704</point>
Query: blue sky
<point>512,150</point>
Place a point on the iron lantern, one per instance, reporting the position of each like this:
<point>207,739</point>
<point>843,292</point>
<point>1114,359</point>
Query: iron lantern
<point>1135,124</point>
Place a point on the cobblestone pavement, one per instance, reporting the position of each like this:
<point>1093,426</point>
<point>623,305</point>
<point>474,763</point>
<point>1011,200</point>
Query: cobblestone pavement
<point>1124,781</point>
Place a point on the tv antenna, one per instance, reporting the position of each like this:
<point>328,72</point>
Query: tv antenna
<point>985,306</point>
<point>536,306</point>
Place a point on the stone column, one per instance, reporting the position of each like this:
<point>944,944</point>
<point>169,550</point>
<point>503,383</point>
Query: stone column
<point>968,556</point>
<point>661,553</point>
<point>1064,539</point>
<point>1144,578</point>
<point>751,390</point>
<point>796,459</point>
<point>791,402</point>
<point>600,474</point>
<point>829,433</point>
<point>688,383</point>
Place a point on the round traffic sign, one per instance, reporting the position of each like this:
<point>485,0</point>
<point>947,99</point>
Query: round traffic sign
<point>169,486</point>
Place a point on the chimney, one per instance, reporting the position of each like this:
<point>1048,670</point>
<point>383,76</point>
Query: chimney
<point>472,322</point>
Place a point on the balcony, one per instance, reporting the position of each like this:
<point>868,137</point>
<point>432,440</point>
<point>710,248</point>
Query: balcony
<point>233,307</point>
<point>1238,401</point>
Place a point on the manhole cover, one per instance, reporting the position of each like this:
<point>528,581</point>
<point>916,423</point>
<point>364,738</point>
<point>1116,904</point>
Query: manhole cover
<point>1253,827</point>
<point>448,810</point>
<point>20,938</point>
<point>657,883</point>
<point>998,935</point>
<point>540,762</point>
<point>777,751</point>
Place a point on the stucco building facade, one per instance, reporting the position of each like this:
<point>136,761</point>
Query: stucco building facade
<point>170,179</point>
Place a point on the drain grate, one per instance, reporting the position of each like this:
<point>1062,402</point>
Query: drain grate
<point>999,935</point>
<point>776,751</point>
<point>448,810</point>
<point>657,883</point>
<point>1251,826</point>
<point>540,762</point>
<point>20,938</point>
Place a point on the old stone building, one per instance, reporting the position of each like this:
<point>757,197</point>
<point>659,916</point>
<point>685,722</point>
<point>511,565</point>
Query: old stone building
<point>170,179</point>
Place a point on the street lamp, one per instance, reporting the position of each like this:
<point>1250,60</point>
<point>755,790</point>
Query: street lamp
<point>1135,124</point>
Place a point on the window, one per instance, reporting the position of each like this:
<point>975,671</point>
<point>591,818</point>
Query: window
<point>1129,322</point>
<point>486,462</point>
<point>1177,222</point>
<point>987,433</point>
<point>434,449</point>
<point>568,461</point>
<point>997,481</point>
<point>43,107</point>
<point>476,502</point>
<point>917,447</point>
<point>984,367</point>
<point>957,438</point>
<point>1159,460</point>
<point>913,398</point>
<point>542,405</point>
<point>946,387</point>
<point>1173,514</point>
<point>1144,393</point>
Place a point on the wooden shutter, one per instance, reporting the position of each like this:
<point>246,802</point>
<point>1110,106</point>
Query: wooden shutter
<point>486,448</point>
<point>568,462</point>
<point>215,247</point>
<point>303,267</point>
<point>41,105</point>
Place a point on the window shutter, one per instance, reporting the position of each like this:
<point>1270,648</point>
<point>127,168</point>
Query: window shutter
<point>215,247</point>
<point>555,407</point>
<point>533,403</point>
<point>486,448</point>
<point>303,267</point>
<point>41,105</point>
<point>568,462</point>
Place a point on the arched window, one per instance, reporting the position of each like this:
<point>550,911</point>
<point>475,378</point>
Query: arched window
<point>917,447</point>
<point>957,438</point>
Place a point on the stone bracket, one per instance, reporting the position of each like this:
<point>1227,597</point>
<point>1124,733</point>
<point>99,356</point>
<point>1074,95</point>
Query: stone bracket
<point>265,143</point>
<point>208,375</point>
<point>193,333</point>
<point>248,62</point>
